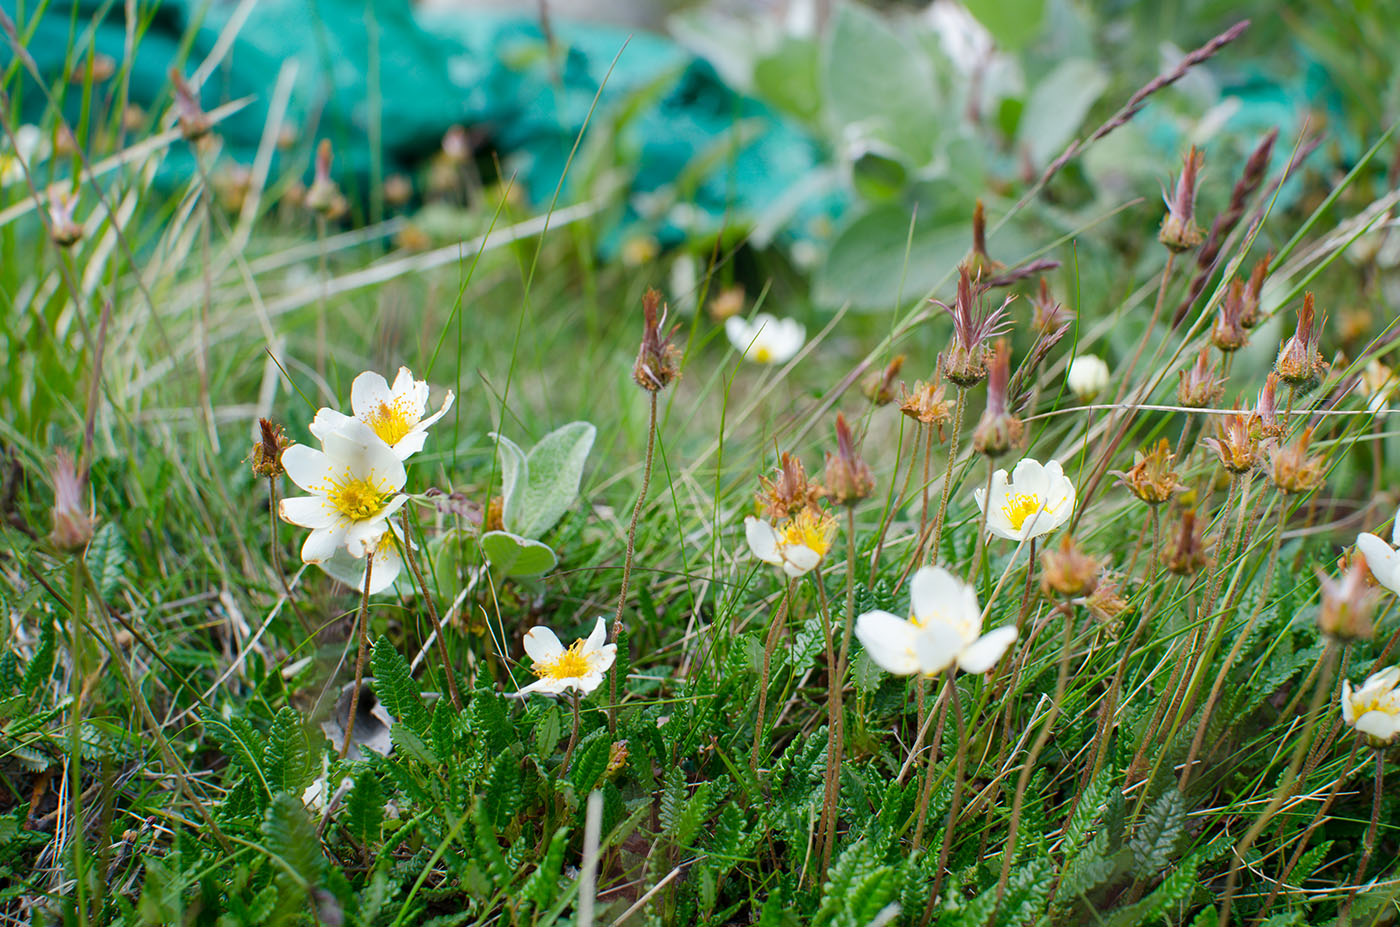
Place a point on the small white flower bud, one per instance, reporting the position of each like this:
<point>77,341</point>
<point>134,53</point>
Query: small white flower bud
<point>1087,377</point>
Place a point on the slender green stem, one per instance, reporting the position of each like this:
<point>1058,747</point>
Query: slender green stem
<point>363,638</point>
<point>427,593</point>
<point>573,737</point>
<point>77,677</point>
<point>631,550</point>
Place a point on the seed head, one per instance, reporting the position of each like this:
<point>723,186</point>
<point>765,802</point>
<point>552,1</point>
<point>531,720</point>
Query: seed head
<point>1151,477</point>
<point>879,388</point>
<point>1238,451</point>
<point>848,479</point>
<point>324,195</point>
<point>1179,229</point>
<point>1294,470</point>
<point>1199,386</point>
<point>1047,315</point>
<point>1349,603</point>
<point>1067,571</point>
<point>1185,550</point>
<point>658,360</point>
<point>965,361</point>
<point>1229,332</point>
<point>1264,421</point>
<point>266,456</point>
<point>194,121</point>
<point>788,491</point>
<point>1299,364</point>
<point>926,404</point>
<point>64,228</point>
<point>72,516</point>
<point>1106,602</point>
<point>998,431</point>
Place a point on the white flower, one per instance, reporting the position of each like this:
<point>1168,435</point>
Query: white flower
<point>1382,559</point>
<point>764,338</point>
<point>395,413</point>
<point>580,667</point>
<point>354,484</point>
<point>1087,377</point>
<point>797,546</point>
<point>1035,501</point>
<point>1374,709</point>
<point>944,627</point>
<point>388,564</point>
<point>28,150</point>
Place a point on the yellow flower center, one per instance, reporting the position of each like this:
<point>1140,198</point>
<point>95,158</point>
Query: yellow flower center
<point>1020,506</point>
<point>392,421</point>
<point>356,498</point>
<point>763,354</point>
<point>571,664</point>
<point>809,528</point>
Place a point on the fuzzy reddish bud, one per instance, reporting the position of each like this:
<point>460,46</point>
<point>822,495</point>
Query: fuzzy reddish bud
<point>848,479</point>
<point>879,388</point>
<point>998,431</point>
<point>73,523</point>
<point>658,360</point>
<point>1199,386</point>
<point>1299,363</point>
<point>1179,230</point>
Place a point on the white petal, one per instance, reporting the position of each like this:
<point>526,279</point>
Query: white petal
<point>410,444</point>
<point>542,686</point>
<point>307,511</point>
<point>937,646</point>
<point>786,339</point>
<point>1348,711</point>
<point>763,540</point>
<point>890,642</point>
<point>367,391</point>
<point>446,404</point>
<point>988,649</point>
<point>1029,477</point>
<point>306,467</point>
<point>597,637</point>
<point>1395,530</point>
<point>1379,724</point>
<point>321,544</point>
<point>738,332</point>
<point>328,421</point>
<point>586,684</point>
<point>936,594</point>
<point>542,644</point>
<point>1382,560</point>
<point>800,558</point>
<point>601,660</point>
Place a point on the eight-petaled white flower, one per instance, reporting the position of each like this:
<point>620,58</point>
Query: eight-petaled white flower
<point>580,667</point>
<point>944,626</point>
<point>1034,501</point>
<point>354,484</point>
<point>1374,709</point>
<point>1382,559</point>
<point>765,338</point>
<point>797,545</point>
<point>388,565</point>
<point>394,413</point>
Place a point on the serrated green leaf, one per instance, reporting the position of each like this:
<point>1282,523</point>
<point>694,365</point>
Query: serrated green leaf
<point>287,756</point>
<point>106,560</point>
<point>589,762</point>
<point>1154,842</point>
<point>548,730</point>
<point>364,810</point>
<point>503,790</point>
<point>40,668</point>
<point>290,838</point>
<point>866,673</point>
<point>410,745</point>
<point>397,689</point>
<point>512,555</point>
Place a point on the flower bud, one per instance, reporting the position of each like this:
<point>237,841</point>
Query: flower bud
<point>324,195</point>
<point>1106,602</point>
<point>965,361</point>
<point>1068,571</point>
<point>1199,386</point>
<point>998,431</point>
<point>1250,313</point>
<point>1299,363</point>
<point>1348,604</point>
<point>728,302</point>
<point>1087,377</point>
<point>879,388</point>
<point>1229,332</point>
<point>1179,231</point>
<point>194,121</point>
<point>658,360</point>
<point>72,515</point>
<point>1264,421</point>
<point>981,263</point>
<point>266,457</point>
<point>848,479</point>
<point>1151,477</point>
<point>1047,315</point>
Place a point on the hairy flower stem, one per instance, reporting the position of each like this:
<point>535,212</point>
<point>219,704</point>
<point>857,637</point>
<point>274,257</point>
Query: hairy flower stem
<point>893,502</point>
<point>1223,674</point>
<point>1313,825</point>
<point>1285,786</point>
<point>936,543</point>
<point>1023,781</point>
<point>573,738</point>
<point>831,774</point>
<point>363,634</point>
<point>631,549</point>
<point>775,628</point>
<point>1370,845</point>
<point>959,768</point>
<point>432,613</point>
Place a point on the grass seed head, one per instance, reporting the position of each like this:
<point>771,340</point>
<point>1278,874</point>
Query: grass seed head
<point>194,121</point>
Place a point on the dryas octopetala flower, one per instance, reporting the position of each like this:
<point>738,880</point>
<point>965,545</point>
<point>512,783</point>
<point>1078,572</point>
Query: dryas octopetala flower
<point>1382,558</point>
<point>386,559</point>
<point>797,545</point>
<point>944,627</point>
<point>765,339</point>
<point>394,414</point>
<point>925,403</point>
<point>1293,469</point>
<point>28,148</point>
<point>788,491</point>
<point>1087,377</point>
<point>1374,709</point>
<point>579,667</point>
<point>1035,500</point>
<point>354,484</point>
